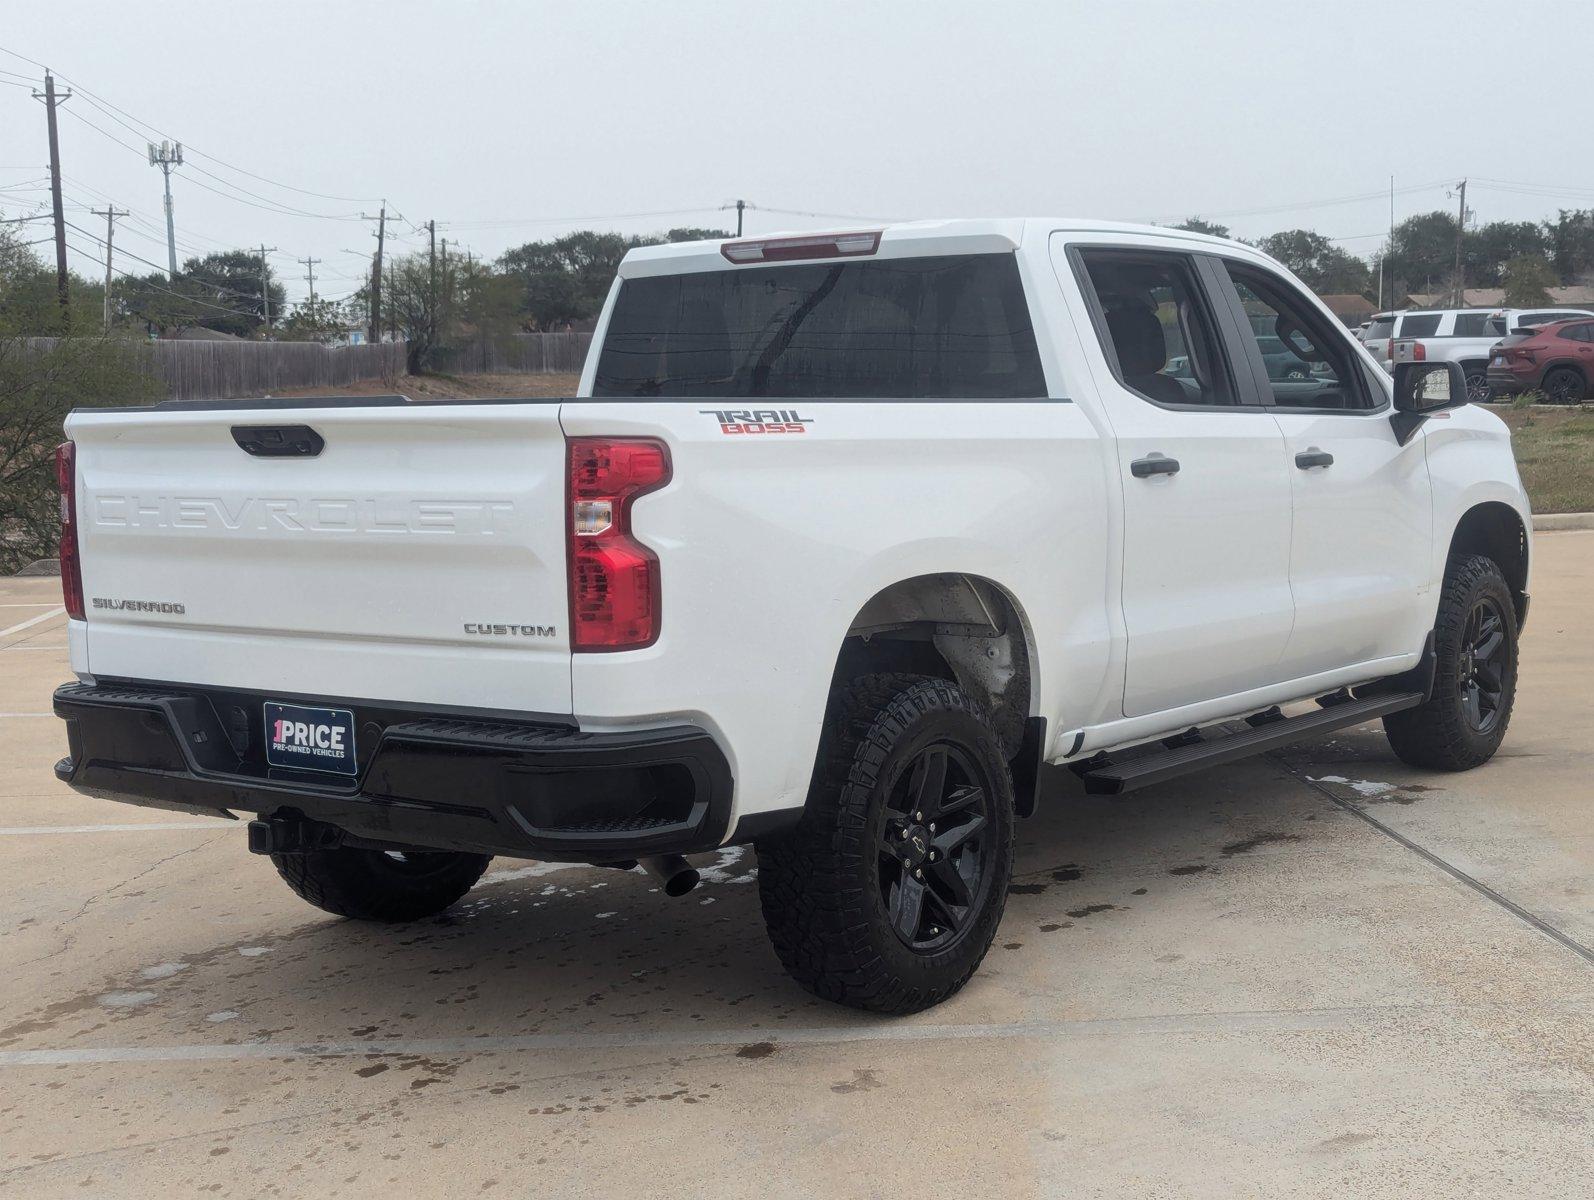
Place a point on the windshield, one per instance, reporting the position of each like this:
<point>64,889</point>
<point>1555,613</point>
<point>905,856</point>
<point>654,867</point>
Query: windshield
<point>952,326</point>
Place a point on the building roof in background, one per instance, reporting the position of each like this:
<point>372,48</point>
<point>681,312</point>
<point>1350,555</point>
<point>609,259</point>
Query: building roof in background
<point>1346,305</point>
<point>1495,297</point>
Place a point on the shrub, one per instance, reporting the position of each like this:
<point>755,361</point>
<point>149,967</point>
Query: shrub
<point>41,381</point>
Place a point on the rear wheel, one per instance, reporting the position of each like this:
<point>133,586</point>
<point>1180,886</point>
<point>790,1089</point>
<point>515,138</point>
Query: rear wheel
<point>1475,644</point>
<point>1478,389</point>
<point>381,885</point>
<point>887,895</point>
<point>1564,385</point>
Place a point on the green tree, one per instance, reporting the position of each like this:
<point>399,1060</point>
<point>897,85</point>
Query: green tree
<point>1320,264</point>
<point>1527,278</point>
<point>1570,244</point>
<point>1197,225</point>
<point>567,279</point>
<point>163,306</point>
<point>39,385</point>
<point>321,320</point>
<point>1486,251</point>
<point>230,280</point>
<point>1424,253</point>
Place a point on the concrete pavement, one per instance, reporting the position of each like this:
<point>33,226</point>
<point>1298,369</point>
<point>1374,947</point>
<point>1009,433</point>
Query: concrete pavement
<point>1310,975</point>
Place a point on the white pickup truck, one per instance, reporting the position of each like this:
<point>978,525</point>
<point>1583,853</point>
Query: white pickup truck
<point>843,537</point>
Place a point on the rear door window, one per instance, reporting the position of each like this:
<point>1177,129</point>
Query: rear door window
<point>954,326</point>
<point>1472,324</point>
<point>1418,325</point>
<point>1158,335</point>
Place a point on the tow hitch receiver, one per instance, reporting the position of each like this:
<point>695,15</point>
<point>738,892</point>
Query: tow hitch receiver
<point>291,835</point>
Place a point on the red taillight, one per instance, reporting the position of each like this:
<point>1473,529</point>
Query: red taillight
<point>819,245</point>
<point>614,579</point>
<point>71,567</point>
<point>1419,352</point>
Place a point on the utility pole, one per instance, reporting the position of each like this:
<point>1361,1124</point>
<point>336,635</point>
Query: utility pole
<point>1391,255</point>
<point>110,214</point>
<point>431,283</point>
<point>51,99</point>
<point>740,204</point>
<point>375,332</point>
<point>1461,228</point>
<point>265,287</point>
<point>166,156</point>
<point>448,287</point>
<point>309,267</point>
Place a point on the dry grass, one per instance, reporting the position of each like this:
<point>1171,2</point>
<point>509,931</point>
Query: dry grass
<point>451,387</point>
<point>1555,453</point>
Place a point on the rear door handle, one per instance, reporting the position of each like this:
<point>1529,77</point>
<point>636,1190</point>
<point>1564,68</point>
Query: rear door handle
<point>1156,464</point>
<point>1307,459</point>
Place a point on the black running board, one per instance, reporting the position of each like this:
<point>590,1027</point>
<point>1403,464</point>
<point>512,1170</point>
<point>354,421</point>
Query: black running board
<point>1143,770</point>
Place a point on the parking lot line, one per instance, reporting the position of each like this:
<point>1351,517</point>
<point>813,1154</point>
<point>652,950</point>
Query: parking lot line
<point>40,830</point>
<point>760,1040</point>
<point>38,620</point>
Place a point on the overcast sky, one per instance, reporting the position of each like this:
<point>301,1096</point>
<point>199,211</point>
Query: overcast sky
<point>509,122</point>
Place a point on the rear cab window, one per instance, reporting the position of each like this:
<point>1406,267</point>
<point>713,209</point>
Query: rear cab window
<point>933,327</point>
<point>1379,327</point>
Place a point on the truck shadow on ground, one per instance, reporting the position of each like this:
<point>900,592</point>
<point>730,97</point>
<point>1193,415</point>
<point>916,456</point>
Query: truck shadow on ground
<point>554,948</point>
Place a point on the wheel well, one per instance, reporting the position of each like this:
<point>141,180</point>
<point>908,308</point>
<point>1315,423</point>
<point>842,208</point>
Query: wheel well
<point>959,627</point>
<point>1495,531</point>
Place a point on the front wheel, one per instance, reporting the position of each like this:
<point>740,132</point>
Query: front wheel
<point>887,894</point>
<point>1475,677</point>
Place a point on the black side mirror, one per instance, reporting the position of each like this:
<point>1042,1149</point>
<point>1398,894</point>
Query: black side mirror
<point>1424,388</point>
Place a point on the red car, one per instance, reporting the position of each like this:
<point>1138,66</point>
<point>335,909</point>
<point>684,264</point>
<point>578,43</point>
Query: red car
<point>1557,360</point>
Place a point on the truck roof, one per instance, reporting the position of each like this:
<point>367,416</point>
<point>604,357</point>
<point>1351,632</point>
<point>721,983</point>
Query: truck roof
<point>963,235</point>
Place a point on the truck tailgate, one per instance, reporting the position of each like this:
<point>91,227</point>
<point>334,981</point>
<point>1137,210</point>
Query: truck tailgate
<point>418,557</point>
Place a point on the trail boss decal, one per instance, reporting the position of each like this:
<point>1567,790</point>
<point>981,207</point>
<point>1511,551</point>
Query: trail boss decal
<point>310,739</point>
<point>758,420</point>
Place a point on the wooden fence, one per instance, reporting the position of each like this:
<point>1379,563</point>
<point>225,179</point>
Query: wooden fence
<point>237,370</point>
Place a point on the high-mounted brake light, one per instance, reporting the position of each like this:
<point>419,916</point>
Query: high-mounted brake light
<point>818,245</point>
<point>614,579</point>
<point>71,565</point>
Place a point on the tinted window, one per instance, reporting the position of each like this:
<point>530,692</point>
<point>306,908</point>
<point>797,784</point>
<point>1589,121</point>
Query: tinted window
<point>905,327</point>
<point>1380,328</point>
<point>1495,327</point>
<point>1155,328</point>
<point>1578,333</point>
<point>1420,325</point>
<point>1472,324</point>
<point>1543,318</point>
<point>1309,364</point>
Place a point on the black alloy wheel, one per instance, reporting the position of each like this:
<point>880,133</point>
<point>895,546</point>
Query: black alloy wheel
<point>935,855</point>
<point>1482,664</point>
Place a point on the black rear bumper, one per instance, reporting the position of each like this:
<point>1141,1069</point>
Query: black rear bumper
<point>473,782</point>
